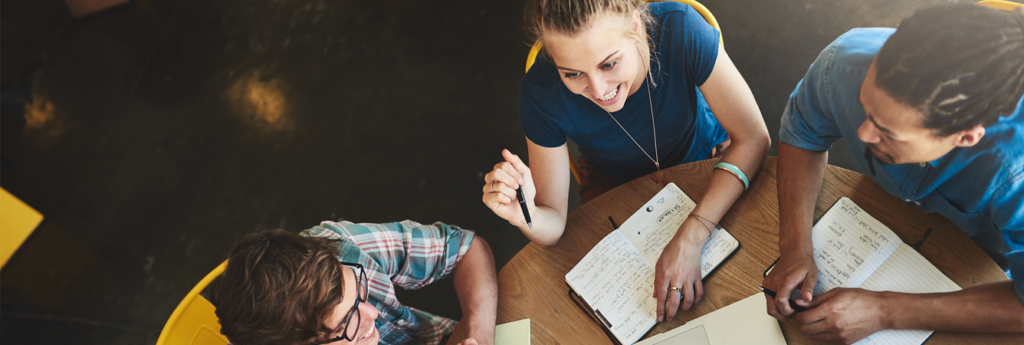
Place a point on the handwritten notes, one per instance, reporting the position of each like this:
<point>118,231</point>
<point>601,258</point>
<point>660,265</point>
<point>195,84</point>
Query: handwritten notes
<point>616,278</point>
<point>653,226</point>
<point>617,281</point>
<point>853,249</point>
<point>849,245</point>
<point>717,248</point>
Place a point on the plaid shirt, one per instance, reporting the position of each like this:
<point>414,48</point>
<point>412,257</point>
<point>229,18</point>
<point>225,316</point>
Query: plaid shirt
<point>406,254</point>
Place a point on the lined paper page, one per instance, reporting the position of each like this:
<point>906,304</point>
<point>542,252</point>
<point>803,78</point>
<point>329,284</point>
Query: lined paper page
<point>906,271</point>
<point>718,247</point>
<point>617,281</point>
<point>849,245</point>
<point>653,226</point>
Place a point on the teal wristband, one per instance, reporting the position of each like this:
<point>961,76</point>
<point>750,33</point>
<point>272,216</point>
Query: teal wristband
<point>735,171</point>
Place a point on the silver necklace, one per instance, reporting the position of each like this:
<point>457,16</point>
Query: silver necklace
<point>656,159</point>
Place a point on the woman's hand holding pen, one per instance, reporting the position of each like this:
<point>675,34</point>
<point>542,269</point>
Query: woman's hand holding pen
<point>677,275</point>
<point>500,189</point>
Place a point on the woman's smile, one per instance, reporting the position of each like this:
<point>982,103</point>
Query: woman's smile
<point>610,98</point>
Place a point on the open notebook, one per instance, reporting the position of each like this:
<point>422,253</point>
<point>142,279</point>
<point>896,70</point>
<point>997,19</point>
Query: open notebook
<point>616,278</point>
<point>853,249</point>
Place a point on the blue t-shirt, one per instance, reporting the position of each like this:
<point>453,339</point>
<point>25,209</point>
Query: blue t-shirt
<point>686,47</point>
<point>979,188</point>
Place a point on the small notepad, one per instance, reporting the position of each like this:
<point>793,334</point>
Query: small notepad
<point>513,333</point>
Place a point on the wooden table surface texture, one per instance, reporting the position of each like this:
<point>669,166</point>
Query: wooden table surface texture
<point>532,285</point>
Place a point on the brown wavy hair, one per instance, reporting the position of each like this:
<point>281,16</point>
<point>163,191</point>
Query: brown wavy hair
<point>278,288</point>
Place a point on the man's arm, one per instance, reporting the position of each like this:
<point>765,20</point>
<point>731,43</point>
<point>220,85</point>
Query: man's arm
<point>848,315</point>
<point>477,287</point>
<point>984,308</point>
<point>799,179</point>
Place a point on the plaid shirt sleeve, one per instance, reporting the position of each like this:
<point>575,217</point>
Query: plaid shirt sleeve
<point>413,255</point>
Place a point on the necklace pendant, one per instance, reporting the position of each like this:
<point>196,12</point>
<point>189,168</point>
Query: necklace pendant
<point>656,165</point>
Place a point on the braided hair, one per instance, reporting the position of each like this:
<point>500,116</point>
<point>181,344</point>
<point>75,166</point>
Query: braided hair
<point>960,65</point>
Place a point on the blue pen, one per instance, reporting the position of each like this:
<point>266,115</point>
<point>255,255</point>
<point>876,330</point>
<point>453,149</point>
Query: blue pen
<point>522,204</point>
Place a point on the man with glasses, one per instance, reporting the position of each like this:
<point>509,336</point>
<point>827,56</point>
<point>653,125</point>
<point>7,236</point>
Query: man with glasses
<point>335,284</point>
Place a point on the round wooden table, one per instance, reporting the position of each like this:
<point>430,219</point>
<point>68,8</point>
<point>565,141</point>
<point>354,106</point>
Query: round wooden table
<point>533,286</point>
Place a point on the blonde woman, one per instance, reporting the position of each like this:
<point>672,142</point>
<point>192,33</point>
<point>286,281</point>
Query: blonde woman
<point>639,87</point>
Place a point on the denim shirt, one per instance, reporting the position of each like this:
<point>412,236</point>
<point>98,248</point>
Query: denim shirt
<point>979,188</point>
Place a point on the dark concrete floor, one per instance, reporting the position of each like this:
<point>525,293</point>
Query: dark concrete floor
<point>152,135</point>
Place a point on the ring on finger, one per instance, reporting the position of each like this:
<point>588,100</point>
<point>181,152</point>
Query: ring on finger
<point>492,186</point>
<point>681,295</point>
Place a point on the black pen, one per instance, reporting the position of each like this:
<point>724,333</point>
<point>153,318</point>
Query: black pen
<point>792,304</point>
<point>522,204</point>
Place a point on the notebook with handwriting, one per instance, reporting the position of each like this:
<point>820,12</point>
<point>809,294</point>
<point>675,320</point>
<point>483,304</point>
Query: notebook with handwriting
<point>853,249</point>
<point>616,278</point>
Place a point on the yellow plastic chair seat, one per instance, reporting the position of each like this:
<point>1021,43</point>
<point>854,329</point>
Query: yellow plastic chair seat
<point>17,221</point>
<point>1001,4</point>
<point>194,321</point>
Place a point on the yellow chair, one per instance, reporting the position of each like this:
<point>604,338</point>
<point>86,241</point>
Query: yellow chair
<point>17,221</point>
<point>696,6</point>
<point>194,321</point>
<point>1001,4</point>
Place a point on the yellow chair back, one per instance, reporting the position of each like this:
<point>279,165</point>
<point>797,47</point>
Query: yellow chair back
<point>696,5</point>
<point>1001,4</point>
<point>194,321</point>
<point>17,221</point>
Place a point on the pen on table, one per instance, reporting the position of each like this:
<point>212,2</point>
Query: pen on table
<point>522,204</point>
<point>792,304</point>
<point>613,223</point>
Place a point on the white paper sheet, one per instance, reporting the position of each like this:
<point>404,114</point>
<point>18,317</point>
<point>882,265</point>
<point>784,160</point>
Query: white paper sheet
<point>849,245</point>
<point>513,333</point>
<point>741,323</point>
<point>906,271</point>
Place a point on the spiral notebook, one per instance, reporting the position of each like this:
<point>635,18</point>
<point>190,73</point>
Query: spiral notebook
<point>615,279</point>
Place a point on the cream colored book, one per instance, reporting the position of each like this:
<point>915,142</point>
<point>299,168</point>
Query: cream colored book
<point>741,323</point>
<point>512,333</point>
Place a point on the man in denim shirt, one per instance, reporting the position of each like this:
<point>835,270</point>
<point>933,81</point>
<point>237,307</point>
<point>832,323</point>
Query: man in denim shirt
<point>934,110</point>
